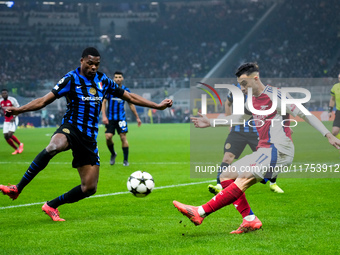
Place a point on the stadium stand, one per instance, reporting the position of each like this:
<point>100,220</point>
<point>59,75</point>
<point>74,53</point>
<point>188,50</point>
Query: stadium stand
<point>166,44</point>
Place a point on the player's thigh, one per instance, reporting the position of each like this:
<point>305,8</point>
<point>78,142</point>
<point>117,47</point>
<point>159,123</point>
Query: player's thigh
<point>235,144</point>
<point>110,129</point>
<point>263,163</point>
<point>9,127</point>
<point>58,143</point>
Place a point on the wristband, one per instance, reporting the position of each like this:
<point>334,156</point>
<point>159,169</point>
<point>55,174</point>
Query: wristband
<point>330,109</point>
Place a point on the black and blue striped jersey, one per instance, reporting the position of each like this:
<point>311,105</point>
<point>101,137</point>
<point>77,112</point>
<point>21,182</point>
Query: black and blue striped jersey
<point>84,99</point>
<point>115,109</point>
<point>246,127</point>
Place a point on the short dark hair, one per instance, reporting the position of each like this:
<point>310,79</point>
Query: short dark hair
<point>90,51</point>
<point>247,68</point>
<point>119,73</point>
<point>4,90</point>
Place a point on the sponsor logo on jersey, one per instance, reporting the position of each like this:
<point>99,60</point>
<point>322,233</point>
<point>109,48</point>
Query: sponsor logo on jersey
<point>92,98</point>
<point>116,99</point>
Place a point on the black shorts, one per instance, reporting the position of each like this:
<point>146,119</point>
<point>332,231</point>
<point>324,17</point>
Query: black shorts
<point>84,148</point>
<point>336,122</point>
<point>237,141</point>
<point>120,125</point>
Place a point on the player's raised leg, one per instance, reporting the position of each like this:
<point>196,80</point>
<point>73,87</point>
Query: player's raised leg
<point>57,144</point>
<point>89,178</point>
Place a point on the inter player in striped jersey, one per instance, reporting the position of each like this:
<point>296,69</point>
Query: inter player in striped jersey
<point>275,149</point>
<point>84,89</point>
<point>239,137</point>
<point>11,122</point>
<point>114,119</point>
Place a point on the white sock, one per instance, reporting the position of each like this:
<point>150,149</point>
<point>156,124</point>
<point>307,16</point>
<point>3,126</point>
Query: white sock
<point>201,211</point>
<point>272,183</point>
<point>250,217</point>
<point>219,186</point>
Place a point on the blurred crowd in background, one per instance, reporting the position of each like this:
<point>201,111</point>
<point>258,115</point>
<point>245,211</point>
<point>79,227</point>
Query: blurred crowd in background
<point>174,42</point>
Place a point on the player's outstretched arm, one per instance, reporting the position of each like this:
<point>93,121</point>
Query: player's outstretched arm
<point>34,105</point>
<point>201,122</point>
<point>318,125</point>
<point>138,100</point>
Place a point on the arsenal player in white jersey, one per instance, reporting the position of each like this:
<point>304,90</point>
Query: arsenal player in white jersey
<point>11,122</point>
<point>275,149</point>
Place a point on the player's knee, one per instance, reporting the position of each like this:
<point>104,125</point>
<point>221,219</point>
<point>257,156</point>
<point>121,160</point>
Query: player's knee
<point>89,189</point>
<point>6,136</point>
<point>57,144</point>
<point>245,181</point>
<point>228,158</point>
<point>335,132</point>
<point>108,136</point>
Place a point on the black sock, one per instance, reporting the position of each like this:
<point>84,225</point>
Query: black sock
<point>223,168</point>
<point>74,195</point>
<point>38,164</point>
<point>126,153</point>
<point>273,180</point>
<point>111,149</point>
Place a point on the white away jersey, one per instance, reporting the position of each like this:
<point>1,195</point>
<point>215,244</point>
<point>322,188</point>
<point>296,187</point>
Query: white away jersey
<point>10,101</point>
<point>274,128</point>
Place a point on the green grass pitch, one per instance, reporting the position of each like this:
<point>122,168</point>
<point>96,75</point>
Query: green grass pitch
<point>303,220</point>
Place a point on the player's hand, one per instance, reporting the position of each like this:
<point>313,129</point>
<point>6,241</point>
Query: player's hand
<point>166,103</point>
<point>333,140</point>
<point>139,122</point>
<point>201,122</point>
<point>11,111</point>
<point>105,121</point>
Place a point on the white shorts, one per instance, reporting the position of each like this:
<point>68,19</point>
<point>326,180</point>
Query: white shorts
<point>10,126</point>
<point>263,163</point>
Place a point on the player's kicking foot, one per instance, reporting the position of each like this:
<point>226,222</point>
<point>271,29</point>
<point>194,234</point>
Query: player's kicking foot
<point>190,211</point>
<point>126,163</point>
<point>275,188</point>
<point>21,148</point>
<point>11,191</point>
<point>215,189</point>
<point>248,226</point>
<point>15,152</point>
<point>113,159</point>
<point>52,212</point>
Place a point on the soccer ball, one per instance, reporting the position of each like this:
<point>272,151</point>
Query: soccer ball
<point>140,184</point>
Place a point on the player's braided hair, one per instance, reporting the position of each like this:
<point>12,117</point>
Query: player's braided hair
<point>247,68</point>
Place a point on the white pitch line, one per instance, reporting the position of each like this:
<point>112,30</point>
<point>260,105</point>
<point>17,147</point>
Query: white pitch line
<point>110,194</point>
